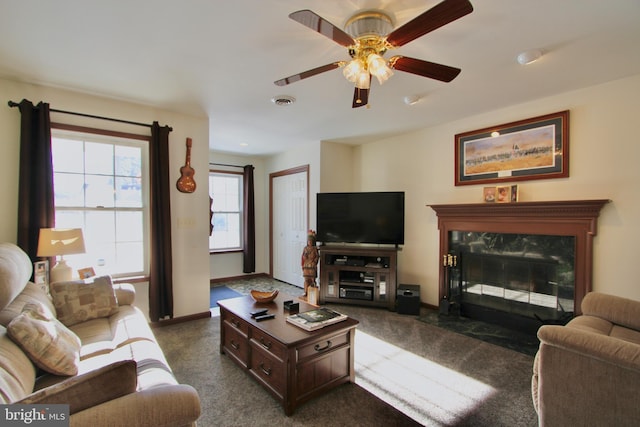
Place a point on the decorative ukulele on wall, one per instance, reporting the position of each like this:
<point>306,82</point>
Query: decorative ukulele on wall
<point>186,183</point>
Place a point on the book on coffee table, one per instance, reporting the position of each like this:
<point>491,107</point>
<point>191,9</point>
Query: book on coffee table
<point>316,319</point>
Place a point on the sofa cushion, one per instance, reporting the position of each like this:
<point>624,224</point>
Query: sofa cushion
<point>15,272</point>
<point>78,301</point>
<point>92,388</point>
<point>47,342</point>
<point>103,335</point>
<point>17,372</point>
<point>30,293</point>
<point>626,334</point>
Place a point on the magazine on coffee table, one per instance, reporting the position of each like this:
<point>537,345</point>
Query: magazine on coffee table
<point>316,319</point>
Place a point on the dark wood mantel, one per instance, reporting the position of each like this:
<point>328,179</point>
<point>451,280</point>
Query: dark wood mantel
<point>578,218</point>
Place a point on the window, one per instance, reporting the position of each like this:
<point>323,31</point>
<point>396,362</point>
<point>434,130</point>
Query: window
<point>225,188</point>
<point>101,186</point>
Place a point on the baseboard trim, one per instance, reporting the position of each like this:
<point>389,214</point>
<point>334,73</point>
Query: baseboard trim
<point>244,276</point>
<point>181,319</point>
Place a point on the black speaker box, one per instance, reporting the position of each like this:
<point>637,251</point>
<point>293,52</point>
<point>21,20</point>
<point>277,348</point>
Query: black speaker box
<point>408,299</point>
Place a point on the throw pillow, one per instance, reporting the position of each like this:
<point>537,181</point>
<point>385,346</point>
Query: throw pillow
<point>47,342</point>
<point>80,300</point>
<point>89,389</point>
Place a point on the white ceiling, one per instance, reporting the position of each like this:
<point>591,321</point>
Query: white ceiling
<point>220,58</point>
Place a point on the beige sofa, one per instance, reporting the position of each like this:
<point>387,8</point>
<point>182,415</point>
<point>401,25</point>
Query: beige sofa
<point>104,362</point>
<point>587,373</point>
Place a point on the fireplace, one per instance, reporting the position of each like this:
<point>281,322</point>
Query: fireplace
<point>519,264</point>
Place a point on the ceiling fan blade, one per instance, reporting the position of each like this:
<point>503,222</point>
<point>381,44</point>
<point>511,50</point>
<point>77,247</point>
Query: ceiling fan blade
<point>322,26</point>
<point>434,18</point>
<point>444,73</point>
<point>306,74</point>
<point>360,98</point>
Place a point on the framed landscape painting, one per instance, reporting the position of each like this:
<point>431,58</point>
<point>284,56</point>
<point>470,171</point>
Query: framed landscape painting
<point>535,148</point>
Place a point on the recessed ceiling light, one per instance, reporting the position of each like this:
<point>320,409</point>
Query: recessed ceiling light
<point>529,56</point>
<point>283,100</point>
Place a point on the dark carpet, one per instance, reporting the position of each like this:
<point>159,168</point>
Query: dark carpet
<point>219,293</point>
<point>487,332</point>
<point>408,373</point>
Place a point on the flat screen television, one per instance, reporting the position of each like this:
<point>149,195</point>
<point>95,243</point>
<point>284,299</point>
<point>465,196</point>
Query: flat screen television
<point>365,217</point>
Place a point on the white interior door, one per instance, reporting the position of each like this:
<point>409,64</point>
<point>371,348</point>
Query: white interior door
<point>289,224</point>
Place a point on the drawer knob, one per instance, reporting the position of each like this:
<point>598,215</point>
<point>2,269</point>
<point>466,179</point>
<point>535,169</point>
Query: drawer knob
<point>266,371</point>
<point>318,348</point>
<point>235,323</point>
<point>266,345</point>
<point>234,345</point>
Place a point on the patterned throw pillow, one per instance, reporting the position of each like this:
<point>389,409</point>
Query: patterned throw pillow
<point>78,301</point>
<point>47,342</point>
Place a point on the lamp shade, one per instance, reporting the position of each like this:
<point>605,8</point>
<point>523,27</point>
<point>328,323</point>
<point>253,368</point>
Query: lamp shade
<point>60,241</point>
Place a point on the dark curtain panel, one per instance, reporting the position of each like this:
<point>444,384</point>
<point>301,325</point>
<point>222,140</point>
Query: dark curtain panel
<point>161,274</point>
<point>35,188</point>
<point>249,223</point>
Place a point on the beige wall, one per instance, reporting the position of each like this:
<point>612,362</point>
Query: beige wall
<point>189,227</point>
<point>604,154</point>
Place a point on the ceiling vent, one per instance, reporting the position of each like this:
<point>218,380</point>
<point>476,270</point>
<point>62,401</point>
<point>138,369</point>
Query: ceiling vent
<point>283,100</point>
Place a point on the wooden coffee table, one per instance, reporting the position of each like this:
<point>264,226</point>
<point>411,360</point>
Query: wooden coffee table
<point>292,364</point>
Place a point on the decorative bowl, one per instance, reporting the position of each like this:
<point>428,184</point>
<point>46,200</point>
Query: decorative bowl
<point>260,296</point>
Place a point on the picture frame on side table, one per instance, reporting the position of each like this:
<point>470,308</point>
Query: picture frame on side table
<point>535,148</point>
<point>41,274</point>
<point>85,273</point>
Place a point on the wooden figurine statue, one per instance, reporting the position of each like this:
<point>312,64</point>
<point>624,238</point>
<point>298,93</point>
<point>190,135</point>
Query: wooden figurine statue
<point>310,258</point>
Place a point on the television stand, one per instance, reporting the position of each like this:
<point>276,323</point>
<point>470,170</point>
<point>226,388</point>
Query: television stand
<point>358,275</point>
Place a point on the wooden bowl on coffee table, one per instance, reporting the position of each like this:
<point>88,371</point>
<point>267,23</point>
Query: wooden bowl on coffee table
<point>261,296</point>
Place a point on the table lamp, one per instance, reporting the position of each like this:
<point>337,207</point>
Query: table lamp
<point>60,241</point>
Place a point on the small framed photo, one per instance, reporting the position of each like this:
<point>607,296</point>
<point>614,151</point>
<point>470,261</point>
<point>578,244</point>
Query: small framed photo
<point>489,194</point>
<point>515,196</point>
<point>503,194</point>
<point>41,274</point>
<point>87,272</point>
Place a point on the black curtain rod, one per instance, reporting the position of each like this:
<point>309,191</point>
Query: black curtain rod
<point>73,113</point>
<point>222,164</point>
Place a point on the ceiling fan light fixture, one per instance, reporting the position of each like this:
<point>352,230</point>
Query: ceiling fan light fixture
<point>353,69</point>
<point>379,68</point>
<point>529,56</point>
<point>363,80</point>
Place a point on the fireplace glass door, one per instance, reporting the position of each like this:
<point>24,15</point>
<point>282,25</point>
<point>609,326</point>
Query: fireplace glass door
<point>516,275</point>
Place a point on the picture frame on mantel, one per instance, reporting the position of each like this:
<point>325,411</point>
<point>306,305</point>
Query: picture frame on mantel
<point>535,148</point>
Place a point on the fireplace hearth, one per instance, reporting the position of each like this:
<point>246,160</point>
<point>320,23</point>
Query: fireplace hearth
<point>519,265</point>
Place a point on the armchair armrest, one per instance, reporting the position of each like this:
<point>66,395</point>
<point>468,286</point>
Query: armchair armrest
<point>601,347</point>
<point>618,310</point>
<point>166,406</point>
<point>90,389</point>
<point>125,293</point>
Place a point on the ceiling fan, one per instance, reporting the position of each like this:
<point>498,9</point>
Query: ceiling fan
<point>368,35</point>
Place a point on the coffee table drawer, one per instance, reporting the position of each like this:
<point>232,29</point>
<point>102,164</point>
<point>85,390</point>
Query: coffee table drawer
<point>269,369</point>
<point>323,345</point>
<point>261,339</point>
<point>236,343</point>
<point>236,322</point>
